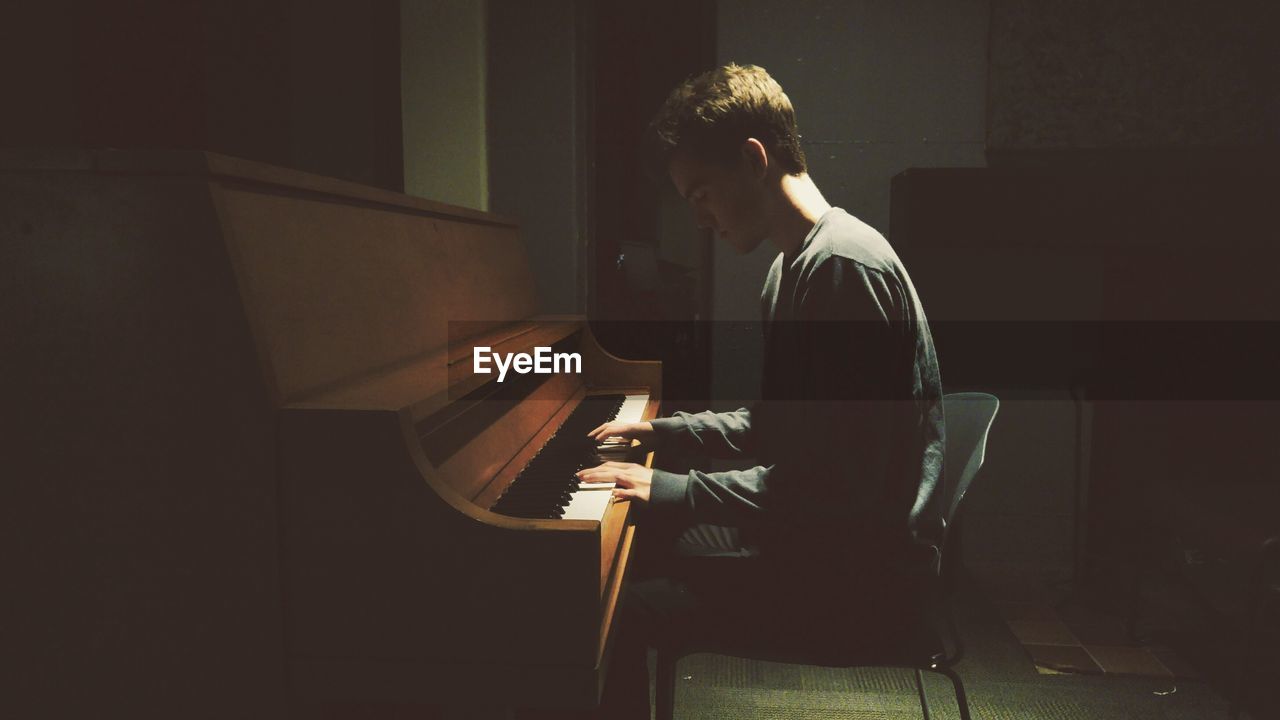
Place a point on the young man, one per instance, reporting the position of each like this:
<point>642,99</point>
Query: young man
<point>849,429</point>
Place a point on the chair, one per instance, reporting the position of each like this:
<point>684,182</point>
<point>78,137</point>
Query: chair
<point>968,420</point>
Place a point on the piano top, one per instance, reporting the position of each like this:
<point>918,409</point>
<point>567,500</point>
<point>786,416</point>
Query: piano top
<point>341,283</point>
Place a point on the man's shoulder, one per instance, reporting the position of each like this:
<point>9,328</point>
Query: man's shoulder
<point>841,236</point>
<point>771,280</point>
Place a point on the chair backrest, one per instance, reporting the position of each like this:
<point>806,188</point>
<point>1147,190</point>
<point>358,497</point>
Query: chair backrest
<point>968,420</point>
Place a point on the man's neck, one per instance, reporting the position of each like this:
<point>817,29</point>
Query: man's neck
<point>798,209</point>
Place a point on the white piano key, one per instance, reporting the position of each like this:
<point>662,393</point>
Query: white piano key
<point>588,505</point>
<point>632,408</point>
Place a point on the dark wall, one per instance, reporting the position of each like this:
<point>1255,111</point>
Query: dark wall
<point>538,169</point>
<point>1075,74</point>
<point>310,85</point>
<point>143,587</point>
<point>640,55</point>
<point>344,89</point>
<point>650,282</point>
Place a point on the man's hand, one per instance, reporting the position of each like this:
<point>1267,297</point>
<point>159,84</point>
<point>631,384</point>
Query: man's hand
<point>632,481</point>
<point>642,431</point>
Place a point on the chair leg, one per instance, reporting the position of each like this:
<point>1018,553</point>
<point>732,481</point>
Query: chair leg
<point>924,699</point>
<point>666,685</point>
<point>961,699</point>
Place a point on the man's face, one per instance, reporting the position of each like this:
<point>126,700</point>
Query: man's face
<point>726,199</point>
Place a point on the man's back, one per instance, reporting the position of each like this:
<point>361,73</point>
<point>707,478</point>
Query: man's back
<point>851,393</point>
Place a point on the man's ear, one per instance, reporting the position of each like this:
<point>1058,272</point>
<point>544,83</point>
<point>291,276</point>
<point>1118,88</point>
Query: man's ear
<point>756,157</point>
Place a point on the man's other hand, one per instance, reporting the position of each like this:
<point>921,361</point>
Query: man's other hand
<point>642,431</point>
<point>631,481</point>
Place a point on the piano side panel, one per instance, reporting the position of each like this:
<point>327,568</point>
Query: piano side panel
<point>436,681</point>
<point>337,287</point>
<point>379,567</point>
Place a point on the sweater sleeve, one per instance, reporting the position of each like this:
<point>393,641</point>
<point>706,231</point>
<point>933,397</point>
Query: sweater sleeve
<point>724,498</point>
<point>719,435</point>
<point>841,338</point>
<point>733,497</point>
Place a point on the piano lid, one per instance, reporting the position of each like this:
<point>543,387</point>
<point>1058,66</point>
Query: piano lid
<point>339,281</point>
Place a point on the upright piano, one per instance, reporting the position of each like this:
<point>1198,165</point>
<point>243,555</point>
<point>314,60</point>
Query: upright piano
<point>430,542</point>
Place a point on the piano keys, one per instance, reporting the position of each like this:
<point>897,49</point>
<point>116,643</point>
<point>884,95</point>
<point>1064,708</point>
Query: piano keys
<point>547,488</point>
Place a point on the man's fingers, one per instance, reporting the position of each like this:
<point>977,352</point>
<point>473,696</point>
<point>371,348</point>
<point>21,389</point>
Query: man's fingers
<point>604,467</point>
<point>612,429</point>
<point>588,471</point>
<point>640,495</point>
<point>606,476</point>
<point>610,467</point>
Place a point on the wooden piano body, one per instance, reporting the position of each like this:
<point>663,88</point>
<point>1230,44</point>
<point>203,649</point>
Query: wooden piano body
<point>369,448</point>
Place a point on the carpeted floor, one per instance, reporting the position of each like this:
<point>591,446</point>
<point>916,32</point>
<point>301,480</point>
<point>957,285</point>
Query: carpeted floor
<point>999,675</point>
<point>1049,698</point>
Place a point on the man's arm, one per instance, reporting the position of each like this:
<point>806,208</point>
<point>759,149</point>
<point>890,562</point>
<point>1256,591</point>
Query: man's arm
<point>732,497</point>
<point>825,438</point>
<point>721,435</point>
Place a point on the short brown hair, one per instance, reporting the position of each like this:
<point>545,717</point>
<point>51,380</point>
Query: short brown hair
<point>709,117</point>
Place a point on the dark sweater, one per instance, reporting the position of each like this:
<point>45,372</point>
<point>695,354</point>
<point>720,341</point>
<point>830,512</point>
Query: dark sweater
<point>849,429</point>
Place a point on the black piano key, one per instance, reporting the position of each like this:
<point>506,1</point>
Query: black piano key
<point>555,497</point>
